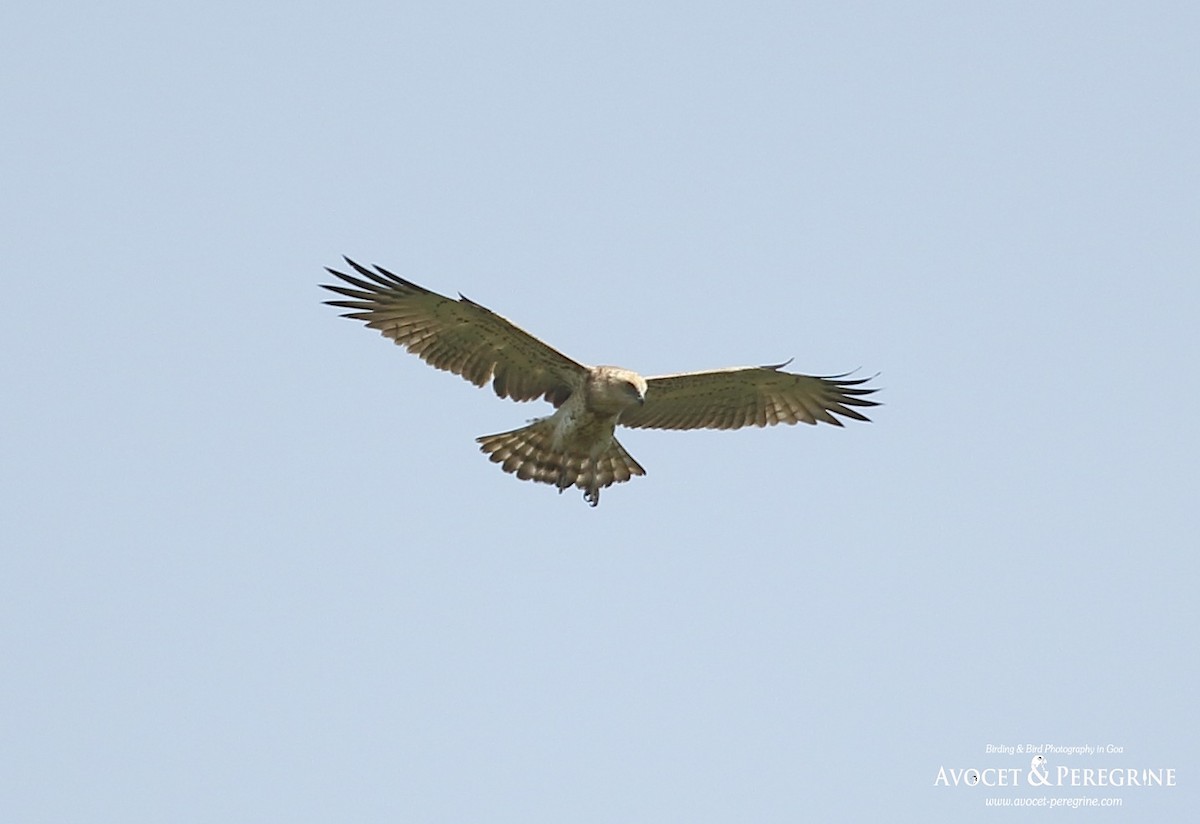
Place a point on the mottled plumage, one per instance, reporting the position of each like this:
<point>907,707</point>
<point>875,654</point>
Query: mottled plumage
<point>576,446</point>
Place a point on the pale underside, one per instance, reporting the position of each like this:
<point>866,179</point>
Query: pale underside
<point>575,446</point>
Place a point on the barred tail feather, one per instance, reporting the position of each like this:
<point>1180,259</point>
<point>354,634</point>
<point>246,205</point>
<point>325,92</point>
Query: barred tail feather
<point>531,454</point>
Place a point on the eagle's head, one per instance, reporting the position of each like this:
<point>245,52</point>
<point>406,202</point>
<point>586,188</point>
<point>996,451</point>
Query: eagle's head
<point>611,389</point>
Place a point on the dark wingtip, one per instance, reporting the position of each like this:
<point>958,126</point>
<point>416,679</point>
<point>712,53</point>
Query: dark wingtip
<point>776,367</point>
<point>362,270</point>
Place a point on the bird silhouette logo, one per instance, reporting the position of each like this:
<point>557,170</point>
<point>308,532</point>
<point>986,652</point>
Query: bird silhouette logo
<point>1038,775</point>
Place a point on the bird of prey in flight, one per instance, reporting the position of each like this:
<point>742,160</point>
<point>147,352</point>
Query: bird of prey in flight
<point>576,446</point>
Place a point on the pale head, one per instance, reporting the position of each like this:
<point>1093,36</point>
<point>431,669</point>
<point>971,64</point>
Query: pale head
<point>611,389</point>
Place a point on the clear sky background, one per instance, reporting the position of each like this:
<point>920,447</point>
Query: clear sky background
<point>255,569</point>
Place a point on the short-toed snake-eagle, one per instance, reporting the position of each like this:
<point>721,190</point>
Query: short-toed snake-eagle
<point>575,446</point>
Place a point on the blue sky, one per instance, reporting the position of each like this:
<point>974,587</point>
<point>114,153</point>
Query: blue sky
<point>256,568</point>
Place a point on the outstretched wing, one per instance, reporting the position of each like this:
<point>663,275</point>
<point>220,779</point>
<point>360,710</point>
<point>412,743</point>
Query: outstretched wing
<point>746,396</point>
<point>459,336</point>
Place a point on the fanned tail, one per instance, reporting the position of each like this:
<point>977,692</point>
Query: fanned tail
<point>531,454</point>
